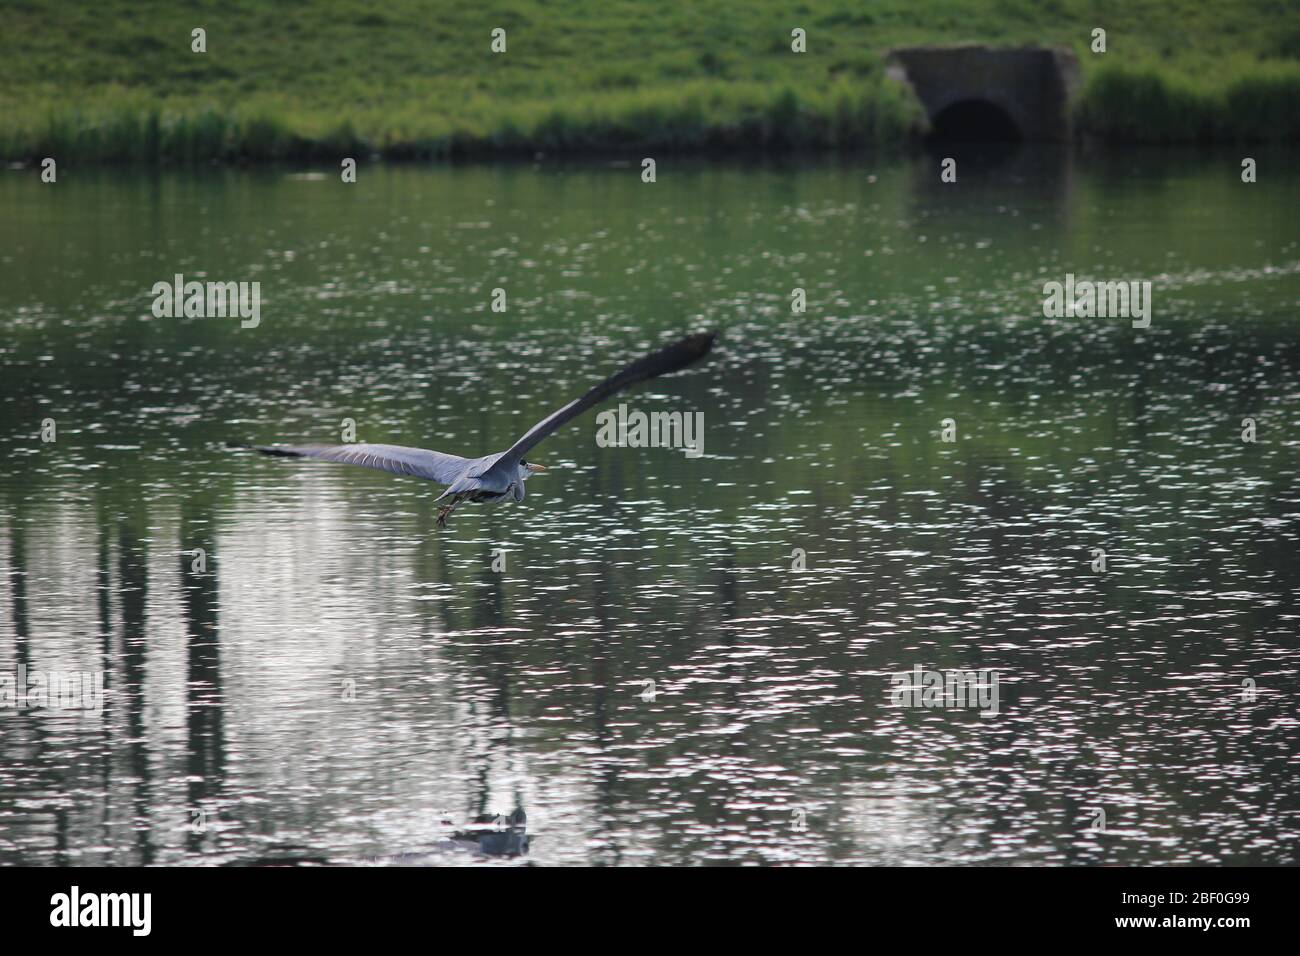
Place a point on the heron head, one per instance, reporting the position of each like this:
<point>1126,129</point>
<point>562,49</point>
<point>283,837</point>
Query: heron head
<point>527,469</point>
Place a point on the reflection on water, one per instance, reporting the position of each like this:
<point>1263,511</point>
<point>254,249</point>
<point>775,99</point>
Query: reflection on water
<point>334,680</point>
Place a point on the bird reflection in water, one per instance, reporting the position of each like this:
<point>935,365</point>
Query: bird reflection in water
<point>487,835</point>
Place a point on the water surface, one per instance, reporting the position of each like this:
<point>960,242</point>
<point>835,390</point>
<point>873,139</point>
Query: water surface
<point>344,683</point>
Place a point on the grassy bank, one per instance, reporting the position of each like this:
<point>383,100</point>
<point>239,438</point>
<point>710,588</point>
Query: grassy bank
<point>1145,103</point>
<point>117,81</point>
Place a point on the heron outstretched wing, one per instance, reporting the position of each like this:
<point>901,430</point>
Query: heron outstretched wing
<point>680,354</point>
<point>398,459</point>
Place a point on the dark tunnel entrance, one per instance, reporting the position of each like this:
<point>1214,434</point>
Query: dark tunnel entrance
<point>974,121</point>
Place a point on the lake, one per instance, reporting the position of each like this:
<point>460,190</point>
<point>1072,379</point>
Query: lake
<point>660,658</point>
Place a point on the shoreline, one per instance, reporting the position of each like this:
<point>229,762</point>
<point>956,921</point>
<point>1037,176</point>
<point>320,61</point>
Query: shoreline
<point>1130,106</point>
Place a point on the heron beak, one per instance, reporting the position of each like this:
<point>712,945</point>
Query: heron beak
<point>535,468</point>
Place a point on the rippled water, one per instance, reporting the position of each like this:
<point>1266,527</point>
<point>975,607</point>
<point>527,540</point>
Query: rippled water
<point>344,682</point>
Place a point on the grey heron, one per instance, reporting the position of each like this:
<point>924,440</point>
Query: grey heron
<point>500,477</point>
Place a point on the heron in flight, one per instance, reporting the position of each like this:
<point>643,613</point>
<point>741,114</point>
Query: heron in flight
<point>496,478</point>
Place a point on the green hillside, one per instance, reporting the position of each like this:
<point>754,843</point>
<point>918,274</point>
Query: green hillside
<point>118,81</point>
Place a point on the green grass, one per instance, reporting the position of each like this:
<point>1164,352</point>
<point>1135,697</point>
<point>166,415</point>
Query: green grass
<point>116,81</point>
<point>1146,104</point>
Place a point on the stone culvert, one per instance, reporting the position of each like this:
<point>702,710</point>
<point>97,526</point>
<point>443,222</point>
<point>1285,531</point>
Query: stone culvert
<point>980,93</point>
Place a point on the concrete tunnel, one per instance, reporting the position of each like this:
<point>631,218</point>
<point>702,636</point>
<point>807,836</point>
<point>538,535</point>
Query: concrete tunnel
<point>984,94</point>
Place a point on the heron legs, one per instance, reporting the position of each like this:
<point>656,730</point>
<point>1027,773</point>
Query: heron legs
<point>445,511</point>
